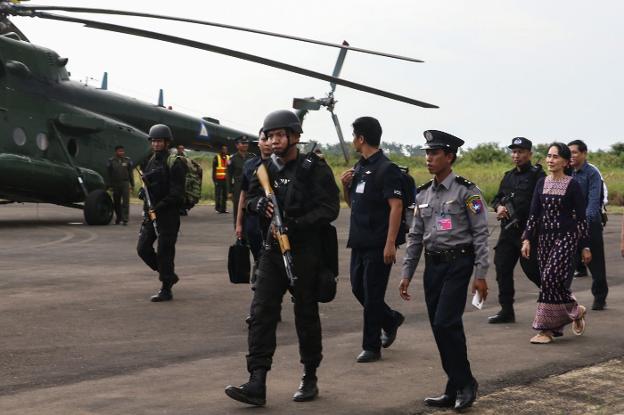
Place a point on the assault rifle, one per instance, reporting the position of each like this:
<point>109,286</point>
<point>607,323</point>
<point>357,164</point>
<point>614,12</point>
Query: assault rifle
<point>278,224</point>
<point>507,201</point>
<point>150,209</point>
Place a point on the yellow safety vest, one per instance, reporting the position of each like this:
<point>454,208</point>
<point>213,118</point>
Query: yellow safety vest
<point>222,166</point>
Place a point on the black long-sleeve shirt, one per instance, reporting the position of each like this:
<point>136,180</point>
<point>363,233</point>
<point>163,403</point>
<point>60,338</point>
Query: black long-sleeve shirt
<point>166,184</point>
<point>521,183</point>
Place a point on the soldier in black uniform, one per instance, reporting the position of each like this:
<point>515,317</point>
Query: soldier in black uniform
<point>121,180</point>
<point>247,226</point>
<point>450,223</point>
<point>512,204</point>
<point>309,200</point>
<point>165,186</point>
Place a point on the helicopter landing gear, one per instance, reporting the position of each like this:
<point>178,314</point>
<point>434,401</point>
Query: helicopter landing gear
<point>98,208</point>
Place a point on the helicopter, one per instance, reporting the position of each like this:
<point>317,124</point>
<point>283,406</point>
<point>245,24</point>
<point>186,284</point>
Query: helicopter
<point>56,133</point>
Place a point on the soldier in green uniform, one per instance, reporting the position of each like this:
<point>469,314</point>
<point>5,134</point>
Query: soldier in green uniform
<point>235,170</point>
<point>121,180</point>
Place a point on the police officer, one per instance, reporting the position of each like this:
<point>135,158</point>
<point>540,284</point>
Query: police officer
<point>165,186</point>
<point>309,200</point>
<point>121,180</point>
<point>235,170</point>
<point>450,222</point>
<point>373,189</point>
<point>512,204</point>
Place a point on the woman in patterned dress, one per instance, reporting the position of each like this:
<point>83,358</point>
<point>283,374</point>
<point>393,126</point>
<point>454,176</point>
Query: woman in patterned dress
<point>557,224</point>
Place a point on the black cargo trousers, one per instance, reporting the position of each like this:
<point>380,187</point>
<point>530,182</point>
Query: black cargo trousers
<point>161,259</point>
<point>271,285</point>
<point>506,256</point>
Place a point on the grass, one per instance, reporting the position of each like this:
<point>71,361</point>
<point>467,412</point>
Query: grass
<point>486,176</point>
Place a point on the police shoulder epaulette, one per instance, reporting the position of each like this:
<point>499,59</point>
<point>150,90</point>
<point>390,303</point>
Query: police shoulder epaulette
<point>464,181</point>
<point>425,185</point>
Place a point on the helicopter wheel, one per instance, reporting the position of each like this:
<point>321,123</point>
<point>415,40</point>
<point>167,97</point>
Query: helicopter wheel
<point>98,208</point>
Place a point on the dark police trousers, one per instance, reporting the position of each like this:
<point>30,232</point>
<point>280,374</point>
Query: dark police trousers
<point>161,259</point>
<point>446,286</point>
<point>506,255</point>
<point>220,195</point>
<point>121,200</point>
<point>369,280</point>
<point>271,285</point>
<point>252,234</point>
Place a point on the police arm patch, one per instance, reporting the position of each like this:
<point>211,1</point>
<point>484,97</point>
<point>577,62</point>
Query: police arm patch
<point>475,204</point>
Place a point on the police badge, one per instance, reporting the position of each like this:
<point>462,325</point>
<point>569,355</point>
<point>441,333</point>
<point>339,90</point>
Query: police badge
<point>475,204</point>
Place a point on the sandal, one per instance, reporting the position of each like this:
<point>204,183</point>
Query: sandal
<point>578,325</point>
<point>543,337</point>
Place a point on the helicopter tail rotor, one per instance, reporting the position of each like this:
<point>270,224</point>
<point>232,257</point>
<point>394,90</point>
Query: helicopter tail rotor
<point>329,102</point>
<point>343,146</point>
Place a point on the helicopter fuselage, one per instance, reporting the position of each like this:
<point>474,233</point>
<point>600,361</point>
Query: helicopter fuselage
<point>54,131</point>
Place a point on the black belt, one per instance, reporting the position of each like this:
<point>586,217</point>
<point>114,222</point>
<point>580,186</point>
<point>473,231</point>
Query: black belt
<point>449,255</point>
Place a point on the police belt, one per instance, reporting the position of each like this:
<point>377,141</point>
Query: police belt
<point>449,255</point>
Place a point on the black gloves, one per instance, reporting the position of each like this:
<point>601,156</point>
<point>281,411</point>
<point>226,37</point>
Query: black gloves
<point>261,206</point>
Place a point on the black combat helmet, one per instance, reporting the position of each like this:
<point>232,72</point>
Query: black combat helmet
<point>282,119</point>
<point>160,131</point>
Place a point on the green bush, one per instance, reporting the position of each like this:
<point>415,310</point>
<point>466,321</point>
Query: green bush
<point>484,165</point>
<point>484,153</point>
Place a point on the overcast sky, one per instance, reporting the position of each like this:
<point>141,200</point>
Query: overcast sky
<point>547,70</point>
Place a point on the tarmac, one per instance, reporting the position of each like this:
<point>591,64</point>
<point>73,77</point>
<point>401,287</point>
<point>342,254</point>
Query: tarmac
<point>78,334</point>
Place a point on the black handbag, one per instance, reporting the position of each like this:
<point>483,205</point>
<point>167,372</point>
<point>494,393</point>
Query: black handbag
<point>239,264</point>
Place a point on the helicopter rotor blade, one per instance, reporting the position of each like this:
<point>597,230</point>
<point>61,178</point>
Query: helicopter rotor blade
<point>35,9</point>
<point>236,54</point>
<point>339,62</point>
<point>345,152</point>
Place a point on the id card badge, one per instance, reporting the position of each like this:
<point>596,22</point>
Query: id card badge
<point>444,223</point>
<point>360,187</point>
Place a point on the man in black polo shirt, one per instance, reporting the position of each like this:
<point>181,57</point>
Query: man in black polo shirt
<point>373,189</point>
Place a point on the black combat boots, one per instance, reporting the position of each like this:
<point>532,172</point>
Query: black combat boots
<point>505,315</point>
<point>307,388</point>
<point>252,392</point>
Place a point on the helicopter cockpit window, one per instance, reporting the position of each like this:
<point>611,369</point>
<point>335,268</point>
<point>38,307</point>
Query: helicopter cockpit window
<point>63,74</point>
<point>42,141</point>
<point>19,136</point>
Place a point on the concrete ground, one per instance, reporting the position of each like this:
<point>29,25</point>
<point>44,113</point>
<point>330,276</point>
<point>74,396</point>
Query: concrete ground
<point>79,336</point>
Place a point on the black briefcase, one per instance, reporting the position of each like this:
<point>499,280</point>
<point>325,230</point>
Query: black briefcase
<point>239,264</point>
